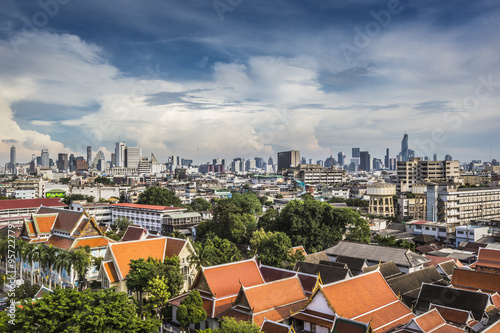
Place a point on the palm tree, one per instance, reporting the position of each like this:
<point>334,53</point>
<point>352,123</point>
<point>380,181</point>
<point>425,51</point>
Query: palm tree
<point>63,262</point>
<point>82,265</point>
<point>48,256</point>
<point>21,250</point>
<point>33,255</point>
<point>4,245</point>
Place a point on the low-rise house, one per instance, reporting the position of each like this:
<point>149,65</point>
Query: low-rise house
<point>134,233</point>
<point>365,298</point>
<point>488,260</point>
<point>406,260</point>
<point>115,266</point>
<point>444,266</point>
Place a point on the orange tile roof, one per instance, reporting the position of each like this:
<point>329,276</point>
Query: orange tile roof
<point>278,314</point>
<point>93,242</point>
<point>300,248</point>
<point>110,269</point>
<point>446,328</point>
<point>174,246</point>
<point>134,232</point>
<point>45,222</point>
<point>29,226</point>
<point>466,279</point>
<point>367,298</point>
<point>452,315</point>
<point>435,260</point>
<point>227,279</point>
<point>272,327</point>
<point>60,242</point>
<point>496,299</point>
<point>139,206</point>
<point>430,320</point>
<point>274,294</point>
<point>124,251</point>
<point>223,305</point>
<point>489,255</point>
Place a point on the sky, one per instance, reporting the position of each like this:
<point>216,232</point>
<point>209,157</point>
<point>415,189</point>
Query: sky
<point>241,78</point>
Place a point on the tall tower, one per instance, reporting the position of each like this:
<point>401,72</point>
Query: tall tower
<point>13,158</point>
<point>340,159</point>
<point>89,155</point>
<point>120,154</point>
<point>387,161</point>
<point>355,152</point>
<point>288,159</point>
<point>365,161</point>
<point>404,148</point>
<point>45,157</point>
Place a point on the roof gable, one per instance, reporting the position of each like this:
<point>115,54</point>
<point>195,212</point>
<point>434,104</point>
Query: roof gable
<point>474,280</point>
<point>123,252</point>
<point>43,223</point>
<point>225,280</point>
<point>134,232</point>
<point>66,221</point>
<point>174,246</point>
<point>110,270</point>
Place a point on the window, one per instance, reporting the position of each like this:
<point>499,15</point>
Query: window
<point>313,328</point>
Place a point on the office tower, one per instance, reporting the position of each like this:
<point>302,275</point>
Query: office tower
<point>259,162</point>
<point>364,161</point>
<point>133,157</point>
<point>355,152</point>
<point>310,161</point>
<point>377,164</point>
<point>426,158</point>
<point>435,157</point>
<point>120,154</point>
<point>319,162</point>
<point>404,148</point>
<point>216,161</point>
<point>386,161</point>
<point>113,160</point>
<point>186,162</point>
<point>288,159</point>
<point>62,162</point>
<point>249,164</point>
<point>72,163</point>
<point>45,158</point>
<point>12,159</point>
<point>494,162</point>
<point>330,162</point>
<point>270,161</point>
<point>303,160</point>
<point>341,159</point>
<point>89,155</point>
<point>448,158</point>
<point>223,163</point>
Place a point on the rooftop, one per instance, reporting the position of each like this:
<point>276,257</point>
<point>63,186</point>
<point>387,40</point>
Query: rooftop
<point>31,203</point>
<point>151,207</point>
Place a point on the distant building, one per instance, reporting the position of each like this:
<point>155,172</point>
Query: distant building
<point>416,171</point>
<point>364,161</point>
<point>12,159</point>
<point>288,159</point>
<point>315,174</point>
<point>355,152</point>
<point>45,158</point>
<point>341,159</point>
<point>89,155</point>
<point>62,162</point>
<point>132,157</point>
<point>120,154</point>
<point>404,148</point>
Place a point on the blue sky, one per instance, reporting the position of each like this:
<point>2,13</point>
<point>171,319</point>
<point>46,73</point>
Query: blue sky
<point>250,78</point>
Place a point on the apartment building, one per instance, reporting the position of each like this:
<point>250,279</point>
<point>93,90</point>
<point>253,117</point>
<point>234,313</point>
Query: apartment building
<point>315,174</point>
<point>15,211</point>
<point>416,171</point>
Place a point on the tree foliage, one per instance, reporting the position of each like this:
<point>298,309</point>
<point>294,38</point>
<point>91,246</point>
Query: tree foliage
<point>67,310</point>
<point>248,202</point>
<point>103,180</point>
<point>273,248</point>
<point>214,251</point>
<point>75,197</point>
<point>158,295</point>
<point>317,225</point>
<point>155,195</point>
<point>200,204</point>
<point>231,325</point>
<point>191,311</point>
<point>353,202</point>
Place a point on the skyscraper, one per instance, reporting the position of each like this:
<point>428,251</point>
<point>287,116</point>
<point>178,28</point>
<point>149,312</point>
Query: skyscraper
<point>133,157</point>
<point>12,159</point>
<point>270,161</point>
<point>404,148</point>
<point>341,159</point>
<point>355,152</point>
<point>45,158</point>
<point>364,161</point>
<point>288,159</point>
<point>435,157</point>
<point>387,162</point>
<point>62,162</point>
<point>89,155</point>
<point>120,154</point>
<point>448,157</point>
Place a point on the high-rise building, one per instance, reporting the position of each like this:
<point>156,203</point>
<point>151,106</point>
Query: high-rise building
<point>288,159</point>
<point>435,157</point>
<point>448,158</point>
<point>133,157</point>
<point>249,164</point>
<point>330,162</point>
<point>387,162</point>
<point>186,162</point>
<point>355,152</point>
<point>72,163</point>
<point>12,159</point>
<point>259,162</point>
<point>45,158</point>
<point>120,154</point>
<point>319,162</point>
<point>341,159</point>
<point>364,161</point>
<point>62,162</point>
<point>89,155</point>
<point>113,160</point>
<point>303,160</point>
<point>404,148</point>
<point>270,161</point>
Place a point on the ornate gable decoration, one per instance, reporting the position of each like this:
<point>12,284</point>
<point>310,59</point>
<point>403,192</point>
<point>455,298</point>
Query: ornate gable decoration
<point>88,228</point>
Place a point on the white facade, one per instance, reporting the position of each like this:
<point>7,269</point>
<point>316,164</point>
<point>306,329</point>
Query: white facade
<point>25,194</point>
<point>132,156</point>
<point>143,215</point>
<point>470,233</point>
<point>98,192</point>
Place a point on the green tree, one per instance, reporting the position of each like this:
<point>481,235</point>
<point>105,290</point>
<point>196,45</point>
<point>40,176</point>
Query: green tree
<point>200,204</point>
<point>393,242</point>
<point>72,197</point>
<point>170,270</point>
<point>191,310</point>
<point>248,202</point>
<point>231,325</point>
<point>122,223</point>
<point>214,251</point>
<point>137,280</point>
<point>82,262</point>
<point>67,310</point>
<point>273,248</point>
<point>26,290</point>
<point>48,258</point>
<point>232,223</point>
<point>155,195</point>
<point>104,181</point>
<point>33,255</point>
<point>268,220</point>
<point>158,295</point>
<point>177,234</point>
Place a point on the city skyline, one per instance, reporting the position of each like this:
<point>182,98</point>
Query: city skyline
<point>257,78</point>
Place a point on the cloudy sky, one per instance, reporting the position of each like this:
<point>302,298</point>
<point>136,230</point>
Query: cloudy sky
<point>228,78</point>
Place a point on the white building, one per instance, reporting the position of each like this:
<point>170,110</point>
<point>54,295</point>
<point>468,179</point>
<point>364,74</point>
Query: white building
<point>132,157</point>
<point>470,233</point>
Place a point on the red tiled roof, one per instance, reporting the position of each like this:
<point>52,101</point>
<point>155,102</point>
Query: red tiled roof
<point>139,206</point>
<point>223,305</point>
<point>93,242</point>
<point>124,251</point>
<point>110,269</point>
<point>367,298</point>
<point>313,318</point>
<point>272,327</point>
<point>31,203</point>
<point>45,222</point>
<point>174,246</point>
<point>278,314</point>
<point>429,320</point>
<point>66,219</point>
<point>134,232</point>
<point>227,279</point>
<point>451,314</point>
<point>496,299</point>
<point>435,260</point>
<point>474,280</point>
<point>489,255</point>
<point>60,242</point>
<point>275,294</point>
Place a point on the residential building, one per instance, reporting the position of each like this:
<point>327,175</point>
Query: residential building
<point>365,161</point>
<point>149,216</point>
<point>416,171</point>
<point>101,212</point>
<point>179,221</point>
<point>288,159</point>
<point>15,211</point>
<point>132,157</point>
<point>470,233</point>
<point>315,174</point>
<point>440,231</point>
